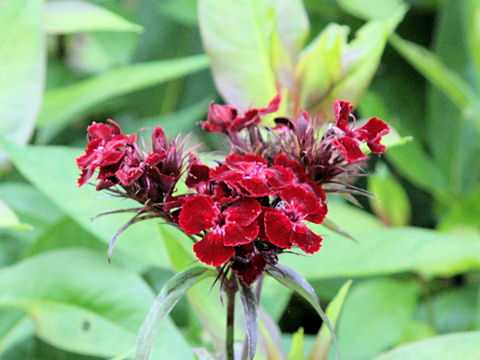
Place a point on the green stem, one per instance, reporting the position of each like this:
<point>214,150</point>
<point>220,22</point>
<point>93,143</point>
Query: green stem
<point>230,323</point>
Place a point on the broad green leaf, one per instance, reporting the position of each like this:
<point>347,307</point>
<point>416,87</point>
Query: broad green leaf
<point>293,280</point>
<point>22,67</point>
<point>390,201</point>
<point>75,298</point>
<point>450,83</point>
<point>459,346</point>
<point>15,327</point>
<point>172,291</point>
<point>9,220</point>
<point>291,22</point>
<point>359,62</point>
<point>250,311</point>
<point>374,317</point>
<point>371,9</point>
<point>203,299</point>
<point>297,352</point>
<point>67,17</point>
<point>56,179</point>
<point>62,105</point>
<point>321,347</point>
<point>388,251</point>
<point>320,67</point>
<point>453,309</point>
<point>235,35</point>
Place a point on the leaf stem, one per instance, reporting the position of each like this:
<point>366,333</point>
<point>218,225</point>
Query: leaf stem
<point>231,288</point>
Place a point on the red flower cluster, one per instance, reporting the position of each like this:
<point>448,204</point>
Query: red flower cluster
<point>254,204</point>
<point>147,175</point>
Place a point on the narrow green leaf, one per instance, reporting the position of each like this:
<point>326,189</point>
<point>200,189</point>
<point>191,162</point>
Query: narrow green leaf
<point>293,280</point>
<point>321,347</point>
<point>471,12</point>
<point>450,83</point>
<point>68,17</point>
<point>22,67</point>
<point>172,291</point>
<point>270,336</point>
<point>459,346</point>
<point>296,352</point>
<point>56,179</point>
<point>81,304</point>
<point>202,298</point>
<point>374,317</point>
<point>235,35</point>
<point>250,311</point>
<point>61,105</point>
<point>181,11</point>
<point>390,201</point>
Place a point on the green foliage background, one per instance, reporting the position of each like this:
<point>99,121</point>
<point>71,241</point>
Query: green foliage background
<point>415,268</point>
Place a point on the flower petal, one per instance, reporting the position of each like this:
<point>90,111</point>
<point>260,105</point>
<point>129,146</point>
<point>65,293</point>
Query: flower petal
<point>211,250</point>
<point>244,212</point>
<point>373,130</point>
<point>349,148</point>
<point>278,228</point>
<point>239,235</point>
<point>302,200</point>
<point>342,110</point>
<point>278,177</point>
<point>254,187</point>
<point>303,238</point>
<point>198,213</point>
<point>250,271</point>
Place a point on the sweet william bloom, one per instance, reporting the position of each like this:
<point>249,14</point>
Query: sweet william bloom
<point>251,176</point>
<point>225,119</point>
<point>284,225</point>
<point>348,144</point>
<point>106,150</point>
<point>236,225</point>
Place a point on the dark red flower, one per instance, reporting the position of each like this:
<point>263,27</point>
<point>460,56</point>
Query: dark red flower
<point>250,175</point>
<point>284,225</point>
<point>348,144</point>
<point>235,225</point>
<point>225,119</point>
<point>106,150</point>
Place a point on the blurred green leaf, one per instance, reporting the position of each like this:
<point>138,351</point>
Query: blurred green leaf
<point>464,213</point>
<point>82,304</point>
<point>182,11</point>
<point>9,220</point>
<point>61,105</point>
<point>321,347</point>
<point>320,65</point>
<point>371,9</point>
<point>461,346</point>
<point>203,299</point>
<point>360,59</point>
<point>235,35</point>
<point>390,201</point>
<point>171,292</point>
<point>15,327</point>
<point>374,317</point>
<point>471,13</point>
<point>22,67</point>
<point>296,282</point>
<point>56,179</point>
<point>446,80</point>
<point>388,251</point>
<point>297,352</point>
<point>416,331</point>
<point>67,17</point>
